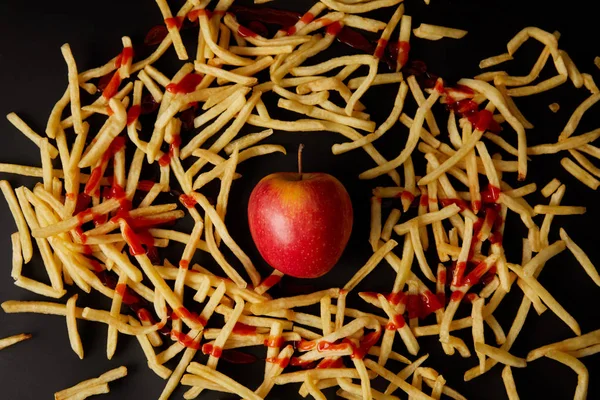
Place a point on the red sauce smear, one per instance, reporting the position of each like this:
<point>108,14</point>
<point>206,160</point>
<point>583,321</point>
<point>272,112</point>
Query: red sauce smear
<point>304,345</point>
<point>393,298</point>
<point>496,238</point>
<point>174,22</point>
<point>124,57</point>
<point>352,38</point>
<point>83,202</point>
<point>144,315</point>
<point>439,87</point>
<point>276,341</point>
<point>156,35</point>
<point>413,306</point>
<point>331,346</point>
<point>403,52</point>
<point>113,86</point>
<point>120,289</point>
<point>145,185</point>
<point>133,240</point>
<point>397,323</point>
<point>165,159</point>
<point>184,313</point>
<point>133,114</point>
<point>491,194</point>
<point>298,362</point>
<point>117,192</point>
<point>442,277</point>
<point>270,281</point>
<point>283,362</point>
<point>480,119</point>
<point>380,49</point>
<point>186,340</point>
<point>243,329</point>
<point>331,363</point>
<point>188,200</point>
<point>368,341</point>
<point>238,357</point>
<point>475,275</point>
<point>408,196</point>
<point>214,351</point>
<point>149,105</point>
<point>186,85</point>
<point>458,273</point>
<point>245,32</point>
<point>334,28</point>
<point>429,303</point>
<point>184,264</point>
<point>457,295</point>
<point>459,202</point>
<point>424,201</point>
<point>306,19</point>
<point>194,14</point>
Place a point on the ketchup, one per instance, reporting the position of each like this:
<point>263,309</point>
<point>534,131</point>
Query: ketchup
<point>275,341</point>
<point>306,19</point>
<point>380,49</point>
<point>165,159</point>
<point>334,28</point>
<point>133,114</point>
<point>113,86</point>
<point>398,322</point>
<point>331,363</point>
<point>403,51</point>
<point>156,35</point>
<point>283,362</point>
<point>238,357</point>
<point>271,281</point>
<point>243,329</point>
<point>245,32</point>
<point>186,85</point>
<point>188,200</point>
<point>213,350</point>
<point>185,340</point>
<point>459,202</point>
<point>174,22</point>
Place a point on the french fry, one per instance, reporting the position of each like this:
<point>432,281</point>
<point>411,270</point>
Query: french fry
<point>478,337</point>
<point>579,254</point>
<point>427,31</point>
<point>577,366</point>
<point>91,391</point>
<point>547,298</point>
<point>18,123</point>
<point>370,265</point>
<point>509,383</point>
<point>501,355</point>
<point>74,338</point>
<point>579,173</point>
<point>12,340</point>
<point>20,221</point>
<point>107,377</point>
<point>577,115</point>
<point>410,144</point>
<point>383,128</point>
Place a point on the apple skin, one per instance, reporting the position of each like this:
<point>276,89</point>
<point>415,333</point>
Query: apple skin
<point>300,226</point>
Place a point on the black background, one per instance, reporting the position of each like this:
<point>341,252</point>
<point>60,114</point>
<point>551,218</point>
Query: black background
<point>33,77</point>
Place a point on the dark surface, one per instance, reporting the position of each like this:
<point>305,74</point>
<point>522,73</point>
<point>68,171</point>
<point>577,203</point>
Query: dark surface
<point>33,77</point>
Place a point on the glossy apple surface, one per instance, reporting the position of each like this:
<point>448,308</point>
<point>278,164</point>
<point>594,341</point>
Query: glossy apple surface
<point>300,223</point>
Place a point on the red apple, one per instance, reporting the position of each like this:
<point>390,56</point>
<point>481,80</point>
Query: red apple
<point>300,223</point>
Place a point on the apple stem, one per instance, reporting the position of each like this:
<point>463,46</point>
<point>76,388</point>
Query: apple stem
<point>300,148</point>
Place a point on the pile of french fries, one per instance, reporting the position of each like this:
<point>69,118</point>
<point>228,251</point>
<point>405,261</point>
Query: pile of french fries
<point>92,234</point>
